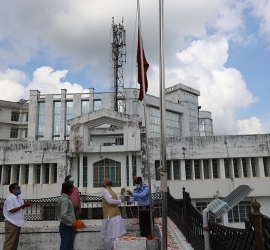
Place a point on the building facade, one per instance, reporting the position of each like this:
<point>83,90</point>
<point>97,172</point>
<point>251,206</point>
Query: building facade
<point>82,135</point>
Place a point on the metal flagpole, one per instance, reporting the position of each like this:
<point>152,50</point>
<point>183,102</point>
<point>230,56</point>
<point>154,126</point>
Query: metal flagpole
<point>146,121</point>
<point>163,174</point>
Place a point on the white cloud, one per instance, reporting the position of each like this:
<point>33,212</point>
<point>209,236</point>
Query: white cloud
<point>11,82</point>
<point>48,81</point>
<point>45,79</point>
<point>252,125</point>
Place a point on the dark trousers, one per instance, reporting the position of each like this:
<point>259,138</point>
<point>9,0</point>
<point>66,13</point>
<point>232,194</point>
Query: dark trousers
<point>145,224</point>
<point>67,236</point>
<point>12,235</point>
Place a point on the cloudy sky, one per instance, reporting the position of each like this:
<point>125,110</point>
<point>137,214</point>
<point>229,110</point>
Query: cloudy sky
<point>220,47</point>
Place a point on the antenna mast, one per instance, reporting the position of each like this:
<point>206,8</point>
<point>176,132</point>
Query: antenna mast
<point>117,58</point>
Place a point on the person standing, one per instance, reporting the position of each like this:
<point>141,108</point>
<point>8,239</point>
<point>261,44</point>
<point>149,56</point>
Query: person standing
<point>112,225</point>
<point>14,217</point>
<point>65,214</point>
<point>75,198</point>
<point>141,194</point>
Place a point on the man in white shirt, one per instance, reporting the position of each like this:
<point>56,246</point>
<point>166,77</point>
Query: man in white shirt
<point>14,217</point>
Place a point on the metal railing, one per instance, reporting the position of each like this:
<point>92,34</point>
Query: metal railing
<point>45,209</point>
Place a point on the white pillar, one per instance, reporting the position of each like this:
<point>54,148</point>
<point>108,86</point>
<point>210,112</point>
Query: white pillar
<point>221,168</point>
<point>51,173</point>
<point>22,174</point>
<point>259,167</point>
<point>172,170</point>
<point>249,170</point>
<point>231,168</point>
<point>201,169</point>
<point>42,173</point>
<point>81,170</point>
<point>31,174</point>
<point>210,169</point>
<point>192,170</point>
<point>13,174</point>
<point>130,177</point>
<point>240,168</point>
<point>182,170</point>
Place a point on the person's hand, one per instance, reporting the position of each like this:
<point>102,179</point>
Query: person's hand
<point>129,192</point>
<point>27,203</point>
<point>78,224</point>
<point>123,190</point>
<point>123,198</point>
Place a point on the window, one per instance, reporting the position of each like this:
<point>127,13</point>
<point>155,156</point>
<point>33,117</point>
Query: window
<point>200,206</point>
<point>0,174</point>
<point>7,181</point>
<point>25,133</point>
<point>244,167</point>
<point>14,133</point>
<point>47,173</point>
<point>97,105</point>
<point>227,169</point>
<point>193,113</point>
<point>84,171</point>
<point>15,116</point>
<point>57,118</point>
<point>26,174</point>
<point>197,169</point>
<point>173,123</point>
<point>38,173</point>
<point>235,168</point>
<point>265,167</point>
<point>85,107</point>
<point>205,127</point>
<point>206,169</point>
<point>176,170</point>
<point>215,169</point>
<point>41,118</point>
<point>26,117</point>
<point>55,173</point>
<point>253,167</point>
<point>134,168</point>
<point>69,115</point>
<point>239,212</point>
<point>188,169</point>
<point>107,169</point>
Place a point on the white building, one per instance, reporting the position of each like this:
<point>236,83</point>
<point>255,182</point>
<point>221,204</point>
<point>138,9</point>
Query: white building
<point>81,134</point>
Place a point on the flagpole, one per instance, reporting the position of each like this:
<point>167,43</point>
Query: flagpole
<point>146,121</point>
<point>163,174</point>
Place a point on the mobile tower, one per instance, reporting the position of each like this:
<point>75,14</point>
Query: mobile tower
<point>117,58</point>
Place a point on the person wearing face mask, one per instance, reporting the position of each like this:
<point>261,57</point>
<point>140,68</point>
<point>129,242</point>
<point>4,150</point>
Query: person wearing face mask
<point>14,217</point>
<point>141,194</point>
<point>65,214</point>
<point>113,225</point>
<point>75,198</point>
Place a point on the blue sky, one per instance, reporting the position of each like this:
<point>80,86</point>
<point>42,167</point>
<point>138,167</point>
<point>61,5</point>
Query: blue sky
<point>221,48</point>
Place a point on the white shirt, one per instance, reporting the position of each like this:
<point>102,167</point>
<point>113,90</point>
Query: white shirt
<point>15,218</point>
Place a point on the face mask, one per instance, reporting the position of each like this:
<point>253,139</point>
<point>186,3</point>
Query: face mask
<point>109,183</point>
<point>18,192</point>
<point>138,185</point>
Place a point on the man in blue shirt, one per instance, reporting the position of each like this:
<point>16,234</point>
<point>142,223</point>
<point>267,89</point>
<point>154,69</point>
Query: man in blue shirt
<point>141,194</point>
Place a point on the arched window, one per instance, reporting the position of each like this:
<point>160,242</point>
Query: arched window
<point>107,169</point>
